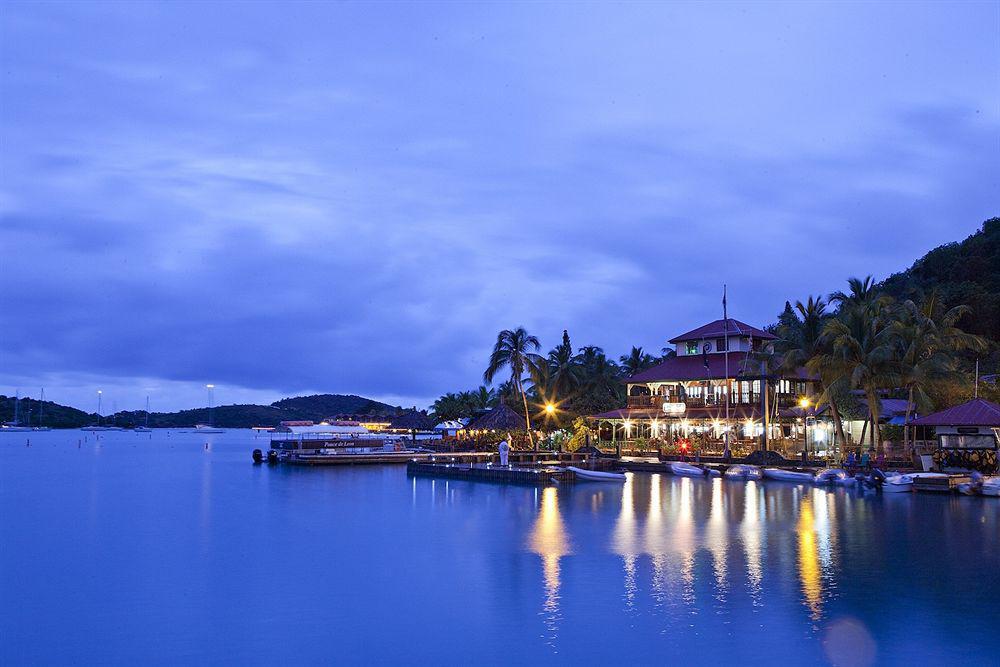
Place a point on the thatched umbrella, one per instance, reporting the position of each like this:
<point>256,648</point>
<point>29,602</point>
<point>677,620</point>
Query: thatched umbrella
<point>413,421</point>
<point>500,418</point>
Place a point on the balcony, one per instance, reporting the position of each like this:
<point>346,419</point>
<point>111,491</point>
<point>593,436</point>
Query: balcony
<point>656,402</point>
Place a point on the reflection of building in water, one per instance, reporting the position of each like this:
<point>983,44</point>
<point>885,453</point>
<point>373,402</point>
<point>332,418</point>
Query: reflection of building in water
<point>717,538</point>
<point>624,539</point>
<point>751,532</point>
<point>549,540</point>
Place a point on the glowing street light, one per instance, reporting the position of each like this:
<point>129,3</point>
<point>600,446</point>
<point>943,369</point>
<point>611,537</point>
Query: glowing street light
<point>550,409</point>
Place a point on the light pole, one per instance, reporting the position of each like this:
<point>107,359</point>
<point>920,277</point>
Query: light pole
<point>99,393</point>
<point>804,404</point>
<point>210,388</point>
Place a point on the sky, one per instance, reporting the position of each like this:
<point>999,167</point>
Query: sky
<point>282,199</point>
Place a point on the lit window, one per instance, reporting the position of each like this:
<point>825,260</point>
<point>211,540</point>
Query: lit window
<point>692,347</point>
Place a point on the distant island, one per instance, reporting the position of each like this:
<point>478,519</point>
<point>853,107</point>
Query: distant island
<point>314,408</point>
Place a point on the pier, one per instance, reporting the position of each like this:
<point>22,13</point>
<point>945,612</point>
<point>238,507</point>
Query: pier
<point>482,472</point>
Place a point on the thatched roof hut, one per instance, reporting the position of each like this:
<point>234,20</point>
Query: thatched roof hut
<point>500,418</point>
<point>412,420</point>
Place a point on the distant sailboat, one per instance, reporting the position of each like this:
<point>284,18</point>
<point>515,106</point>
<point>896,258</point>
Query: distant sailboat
<point>41,412</point>
<point>145,429</point>
<point>210,426</point>
<point>15,425</point>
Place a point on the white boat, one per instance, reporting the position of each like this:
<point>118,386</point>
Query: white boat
<point>742,471</point>
<point>596,475</point>
<point>990,487</point>
<point>830,476</point>
<point>787,475</point>
<point>142,429</point>
<point>688,470</point>
<point>898,484</point>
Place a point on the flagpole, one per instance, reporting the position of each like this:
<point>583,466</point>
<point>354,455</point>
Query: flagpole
<point>725,330</point>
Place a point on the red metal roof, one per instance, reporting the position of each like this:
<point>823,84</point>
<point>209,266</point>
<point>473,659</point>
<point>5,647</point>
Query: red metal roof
<point>977,412</point>
<point>717,329</point>
<point>692,367</point>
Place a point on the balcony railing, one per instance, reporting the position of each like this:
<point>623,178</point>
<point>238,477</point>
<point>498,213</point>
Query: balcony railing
<point>656,402</point>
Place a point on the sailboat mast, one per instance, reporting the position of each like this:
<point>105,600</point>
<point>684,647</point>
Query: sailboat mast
<point>17,408</point>
<point>725,333</point>
<point>41,407</point>
<point>147,411</point>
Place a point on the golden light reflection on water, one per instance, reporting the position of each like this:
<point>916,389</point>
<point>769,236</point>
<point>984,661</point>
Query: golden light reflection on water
<point>808,558</point>
<point>751,532</point>
<point>717,538</point>
<point>624,540</point>
<point>549,540</point>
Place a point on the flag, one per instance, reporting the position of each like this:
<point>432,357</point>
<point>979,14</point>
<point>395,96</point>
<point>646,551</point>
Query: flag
<point>704,354</point>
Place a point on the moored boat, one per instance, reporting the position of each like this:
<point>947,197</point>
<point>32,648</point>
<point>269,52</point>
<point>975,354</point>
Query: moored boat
<point>781,475</point>
<point>830,476</point>
<point>596,475</point>
<point>990,487</point>
<point>743,471</point>
<point>897,484</point>
<point>688,470</point>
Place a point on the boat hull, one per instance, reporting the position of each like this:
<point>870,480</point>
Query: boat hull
<point>744,472</point>
<point>596,475</point>
<point>780,475</point>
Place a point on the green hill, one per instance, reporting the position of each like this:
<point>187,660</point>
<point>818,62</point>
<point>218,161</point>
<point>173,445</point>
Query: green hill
<point>314,408</point>
<point>964,272</point>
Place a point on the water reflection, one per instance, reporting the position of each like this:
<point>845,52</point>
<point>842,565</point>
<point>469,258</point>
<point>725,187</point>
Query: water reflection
<point>549,540</point>
<point>673,520</point>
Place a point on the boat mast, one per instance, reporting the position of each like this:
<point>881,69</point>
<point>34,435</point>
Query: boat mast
<point>147,410</point>
<point>41,407</point>
<point>17,407</point>
<point>725,333</point>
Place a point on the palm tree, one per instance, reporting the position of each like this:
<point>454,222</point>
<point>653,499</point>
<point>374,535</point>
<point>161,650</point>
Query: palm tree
<point>636,361</point>
<point>802,341</point>
<point>858,348</point>
<point>515,350</point>
<point>563,371</point>
<point>482,398</point>
<point>926,335</point>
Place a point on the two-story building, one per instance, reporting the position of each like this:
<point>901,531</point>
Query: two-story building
<point>687,393</point>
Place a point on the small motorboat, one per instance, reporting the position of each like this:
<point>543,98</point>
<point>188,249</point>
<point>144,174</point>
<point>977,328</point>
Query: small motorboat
<point>897,484</point>
<point>743,471</point>
<point>830,476</point>
<point>990,487</point>
<point>688,470</point>
<point>596,475</point>
<point>781,475</point>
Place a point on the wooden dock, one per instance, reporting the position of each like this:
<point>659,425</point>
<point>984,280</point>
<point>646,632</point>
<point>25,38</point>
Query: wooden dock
<point>385,458</point>
<point>947,484</point>
<point>535,476</point>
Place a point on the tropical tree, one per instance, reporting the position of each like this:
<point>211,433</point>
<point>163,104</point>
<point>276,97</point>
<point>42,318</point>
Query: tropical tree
<point>636,361</point>
<point>515,350</point>
<point>926,336</point>
<point>857,346</point>
<point>563,372</point>
<point>800,330</point>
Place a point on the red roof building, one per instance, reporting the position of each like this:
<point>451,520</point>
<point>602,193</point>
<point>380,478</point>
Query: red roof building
<point>977,412</point>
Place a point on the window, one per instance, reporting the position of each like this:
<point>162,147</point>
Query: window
<point>720,344</point>
<point>692,347</point>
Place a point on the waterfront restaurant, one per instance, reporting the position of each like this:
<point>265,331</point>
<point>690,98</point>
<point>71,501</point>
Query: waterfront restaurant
<point>684,398</point>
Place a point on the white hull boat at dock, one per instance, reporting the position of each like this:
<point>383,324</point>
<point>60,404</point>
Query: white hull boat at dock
<point>788,475</point>
<point>596,475</point>
<point>831,476</point>
<point>990,487</point>
<point>688,470</point>
<point>742,471</point>
<point>898,484</point>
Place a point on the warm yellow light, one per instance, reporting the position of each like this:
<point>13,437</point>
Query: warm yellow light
<point>210,386</point>
<point>803,402</point>
<point>549,408</point>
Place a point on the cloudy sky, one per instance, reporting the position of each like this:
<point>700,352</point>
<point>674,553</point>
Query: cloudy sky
<point>355,198</point>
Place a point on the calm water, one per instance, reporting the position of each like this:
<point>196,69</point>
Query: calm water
<point>139,549</point>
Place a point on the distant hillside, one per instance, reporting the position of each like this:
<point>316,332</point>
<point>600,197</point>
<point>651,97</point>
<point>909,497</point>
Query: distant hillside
<point>965,272</point>
<point>313,408</point>
<point>53,414</point>
<point>328,405</point>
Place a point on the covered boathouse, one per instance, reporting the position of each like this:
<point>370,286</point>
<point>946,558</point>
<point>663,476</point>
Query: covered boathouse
<point>717,369</point>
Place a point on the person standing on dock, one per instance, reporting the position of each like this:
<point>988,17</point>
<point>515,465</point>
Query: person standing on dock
<point>504,452</point>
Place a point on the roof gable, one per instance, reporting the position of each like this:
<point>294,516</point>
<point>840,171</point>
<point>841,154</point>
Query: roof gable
<point>718,328</point>
<point>977,412</point>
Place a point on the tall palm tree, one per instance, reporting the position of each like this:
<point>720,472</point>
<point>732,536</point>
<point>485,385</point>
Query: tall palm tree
<point>803,342</point>
<point>926,336</point>
<point>563,371</point>
<point>858,346</point>
<point>636,361</point>
<point>515,350</point>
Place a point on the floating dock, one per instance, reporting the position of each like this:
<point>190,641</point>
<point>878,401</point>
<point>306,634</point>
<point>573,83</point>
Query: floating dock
<point>381,458</point>
<point>538,476</point>
<point>947,484</point>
